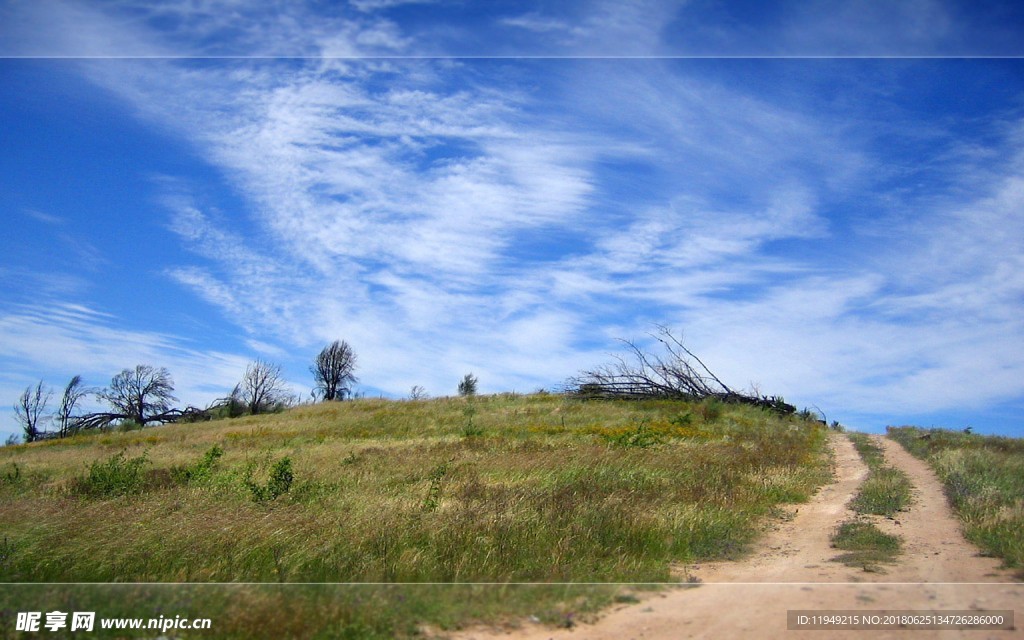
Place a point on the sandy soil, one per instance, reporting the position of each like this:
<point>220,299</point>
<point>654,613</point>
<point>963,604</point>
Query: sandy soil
<point>792,569</point>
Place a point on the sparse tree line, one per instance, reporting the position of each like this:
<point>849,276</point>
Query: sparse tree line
<point>145,394</point>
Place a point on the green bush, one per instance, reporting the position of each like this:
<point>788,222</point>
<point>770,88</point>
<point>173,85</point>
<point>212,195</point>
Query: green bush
<point>128,425</point>
<point>710,409</point>
<point>116,477</point>
<point>280,482</point>
<point>641,437</point>
<point>13,475</point>
<point>201,470</point>
<point>436,477</point>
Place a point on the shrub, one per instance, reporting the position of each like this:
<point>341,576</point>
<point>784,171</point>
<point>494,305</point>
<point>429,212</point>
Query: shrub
<point>710,410</point>
<point>115,477</point>
<point>470,430</point>
<point>128,425</point>
<point>200,470</point>
<point>640,437</point>
<point>13,475</point>
<point>280,482</point>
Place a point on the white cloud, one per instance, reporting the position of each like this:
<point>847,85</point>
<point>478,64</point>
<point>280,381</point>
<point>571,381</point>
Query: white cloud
<point>378,5</point>
<point>439,230</point>
<point>598,28</point>
<point>45,218</point>
<point>68,339</point>
<point>405,207</point>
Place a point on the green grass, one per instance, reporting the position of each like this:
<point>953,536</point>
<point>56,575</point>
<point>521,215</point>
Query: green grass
<point>365,612</point>
<point>870,452</point>
<point>984,480</point>
<point>866,545</point>
<point>496,489</point>
<point>886,490</point>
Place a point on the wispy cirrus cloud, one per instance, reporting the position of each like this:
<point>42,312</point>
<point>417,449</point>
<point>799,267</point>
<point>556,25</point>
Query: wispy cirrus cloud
<point>406,204</point>
<point>513,218</point>
<point>77,340</point>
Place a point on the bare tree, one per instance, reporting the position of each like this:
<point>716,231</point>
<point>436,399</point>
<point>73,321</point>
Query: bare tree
<point>263,388</point>
<point>143,395</point>
<point>418,393</point>
<point>333,371</point>
<point>67,421</point>
<point>30,409</point>
<point>230,406</point>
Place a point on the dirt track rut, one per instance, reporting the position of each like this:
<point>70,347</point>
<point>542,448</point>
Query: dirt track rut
<point>792,569</point>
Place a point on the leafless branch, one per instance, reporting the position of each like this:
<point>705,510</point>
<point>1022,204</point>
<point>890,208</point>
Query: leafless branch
<point>678,374</point>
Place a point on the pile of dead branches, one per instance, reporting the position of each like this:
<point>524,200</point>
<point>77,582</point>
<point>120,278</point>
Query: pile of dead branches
<point>679,374</point>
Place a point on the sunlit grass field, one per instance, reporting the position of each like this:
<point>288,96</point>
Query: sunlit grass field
<point>495,489</point>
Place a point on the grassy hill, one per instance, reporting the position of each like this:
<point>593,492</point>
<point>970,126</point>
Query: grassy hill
<point>496,489</point>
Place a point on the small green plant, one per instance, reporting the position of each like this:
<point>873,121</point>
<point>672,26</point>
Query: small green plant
<point>640,437</point>
<point>7,549</point>
<point>279,483</point>
<point>128,425</point>
<point>683,419</point>
<point>201,470</point>
<point>436,477</point>
<point>116,476</point>
<point>470,430</point>
<point>352,458</point>
<point>14,475</point>
<point>807,415</point>
<point>710,410</point>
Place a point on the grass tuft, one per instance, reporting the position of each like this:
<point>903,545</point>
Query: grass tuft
<point>866,545</point>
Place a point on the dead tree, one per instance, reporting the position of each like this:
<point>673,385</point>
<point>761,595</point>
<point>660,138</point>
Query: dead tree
<point>334,371</point>
<point>141,395</point>
<point>678,374</point>
<point>30,409</point>
<point>263,387</point>
<point>64,417</point>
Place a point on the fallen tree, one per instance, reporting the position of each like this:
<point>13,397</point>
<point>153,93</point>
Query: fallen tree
<point>102,420</point>
<point>678,374</point>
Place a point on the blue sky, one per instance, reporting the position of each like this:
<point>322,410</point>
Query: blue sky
<point>825,199</point>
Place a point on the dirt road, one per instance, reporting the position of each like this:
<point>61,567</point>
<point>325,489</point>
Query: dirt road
<point>792,569</point>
